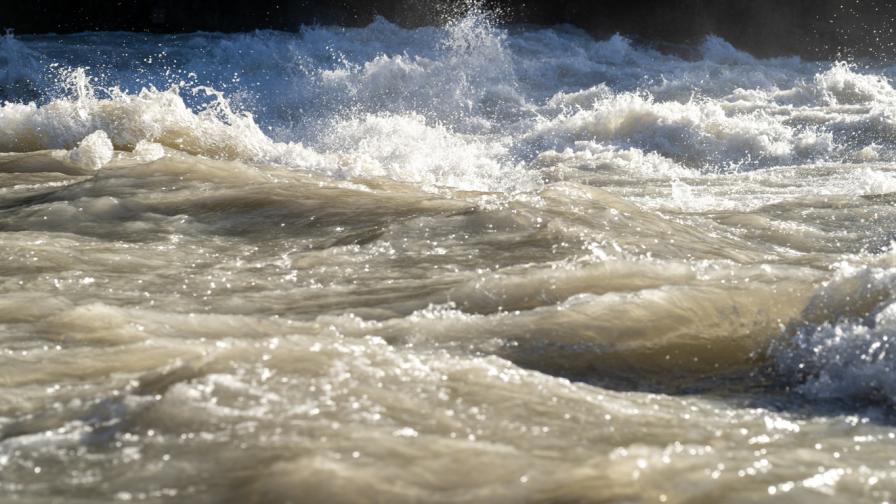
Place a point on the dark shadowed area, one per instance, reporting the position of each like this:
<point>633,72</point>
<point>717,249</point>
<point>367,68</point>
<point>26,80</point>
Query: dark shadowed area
<point>810,28</point>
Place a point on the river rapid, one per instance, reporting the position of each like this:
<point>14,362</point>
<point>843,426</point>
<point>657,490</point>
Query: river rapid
<point>470,263</point>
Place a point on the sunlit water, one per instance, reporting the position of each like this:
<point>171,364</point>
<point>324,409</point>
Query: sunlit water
<point>462,264</point>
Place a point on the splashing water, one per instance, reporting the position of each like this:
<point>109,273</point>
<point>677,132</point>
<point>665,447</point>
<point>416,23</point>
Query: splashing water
<point>469,263</point>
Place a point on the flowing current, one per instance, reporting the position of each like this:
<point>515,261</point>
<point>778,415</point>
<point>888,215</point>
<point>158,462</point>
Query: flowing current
<point>470,263</point>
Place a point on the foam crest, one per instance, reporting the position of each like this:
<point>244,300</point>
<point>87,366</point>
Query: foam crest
<point>159,116</point>
<point>407,148</point>
<point>463,75</point>
<point>697,134</point>
<point>515,99</point>
<point>594,157</point>
<point>94,151</point>
<point>846,348</point>
<point>840,85</point>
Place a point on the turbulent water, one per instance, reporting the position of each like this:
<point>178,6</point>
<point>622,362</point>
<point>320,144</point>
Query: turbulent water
<point>471,263</point>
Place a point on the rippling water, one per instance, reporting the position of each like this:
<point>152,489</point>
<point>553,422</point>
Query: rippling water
<point>474,263</point>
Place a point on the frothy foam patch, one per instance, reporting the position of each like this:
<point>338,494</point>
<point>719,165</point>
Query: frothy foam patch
<point>94,151</point>
<point>842,86</point>
<point>515,99</point>
<point>873,181</point>
<point>852,359</point>
<point>846,349</point>
<point>407,148</point>
<point>151,115</point>
<point>697,134</point>
<point>461,74</point>
<point>148,151</point>
<point>596,157</point>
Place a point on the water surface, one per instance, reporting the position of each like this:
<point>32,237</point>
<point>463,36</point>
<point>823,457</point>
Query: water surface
<point>474,263</point>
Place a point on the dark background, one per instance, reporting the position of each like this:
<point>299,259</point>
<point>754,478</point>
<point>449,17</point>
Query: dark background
<point>809,28</point>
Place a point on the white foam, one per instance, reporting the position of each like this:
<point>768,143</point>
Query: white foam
<point>93,152</point>
<point>871,181</point>
<point>840,85</point>
<point>592,156</point>
<point>158,116</point>
<point>486,104</point>
<point>148,151</point>
<point>847,347</point>
<point>697,134</point>
<point>407,148</point>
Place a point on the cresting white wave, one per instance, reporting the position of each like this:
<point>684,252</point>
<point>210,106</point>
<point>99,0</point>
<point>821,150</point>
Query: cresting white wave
<point>470,105</point>
<point>845,348</point>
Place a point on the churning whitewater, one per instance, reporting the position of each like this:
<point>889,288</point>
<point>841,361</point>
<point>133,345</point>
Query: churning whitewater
<point>470,263</point>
